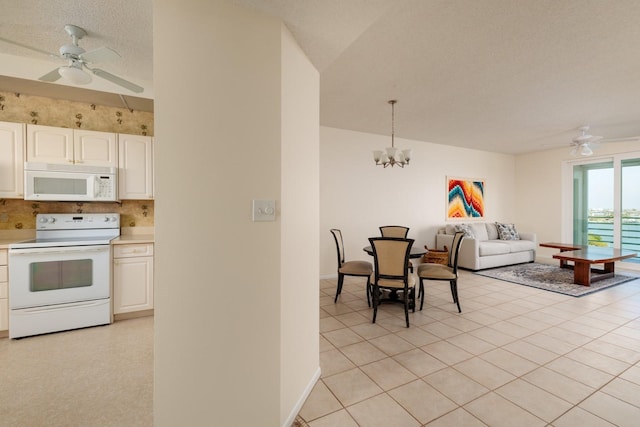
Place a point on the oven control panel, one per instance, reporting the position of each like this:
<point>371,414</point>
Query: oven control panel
<point>77,221</point>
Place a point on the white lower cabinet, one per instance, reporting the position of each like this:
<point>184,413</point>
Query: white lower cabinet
<point>132,277</point>
<point>4,292</point>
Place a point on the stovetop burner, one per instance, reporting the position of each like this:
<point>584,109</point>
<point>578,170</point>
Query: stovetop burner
<point>54,230</point>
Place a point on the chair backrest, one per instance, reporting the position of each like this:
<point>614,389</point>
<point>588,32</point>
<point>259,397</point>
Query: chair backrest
<point>394,231</point>
<point>391,257</point>
<point>337,236</point>
<point>455,250</point>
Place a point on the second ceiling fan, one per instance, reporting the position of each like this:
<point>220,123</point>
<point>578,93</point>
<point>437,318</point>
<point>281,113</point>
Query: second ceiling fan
<point>584,143</point>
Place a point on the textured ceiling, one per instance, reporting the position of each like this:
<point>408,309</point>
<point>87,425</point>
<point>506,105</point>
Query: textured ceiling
<point>508,76</point>
<point>123,25</point>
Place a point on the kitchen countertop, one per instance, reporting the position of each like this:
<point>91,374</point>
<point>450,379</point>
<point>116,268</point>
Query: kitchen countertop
<point>122,240</point>
<point>4,243</point>
<point>125,239</point>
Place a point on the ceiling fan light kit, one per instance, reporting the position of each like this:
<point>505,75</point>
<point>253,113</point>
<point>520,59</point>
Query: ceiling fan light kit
<point>583,149</point>
<point>74,74</point>
<point>391,156</point>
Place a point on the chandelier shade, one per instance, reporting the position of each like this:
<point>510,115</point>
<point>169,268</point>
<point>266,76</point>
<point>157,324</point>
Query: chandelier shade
<point>391,156</point>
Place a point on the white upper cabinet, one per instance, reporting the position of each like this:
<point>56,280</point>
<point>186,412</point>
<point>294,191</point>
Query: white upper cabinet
<point>135,167</point>
<point>11,160</point>
<point>49,144</point>
<point>95,148</point>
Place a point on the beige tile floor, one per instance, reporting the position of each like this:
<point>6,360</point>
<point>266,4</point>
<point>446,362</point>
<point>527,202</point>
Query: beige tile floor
<point>516,356</point>
<point>100,376</point>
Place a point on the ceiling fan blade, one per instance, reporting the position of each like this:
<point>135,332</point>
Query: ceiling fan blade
<point>35,49</point>
<point>101,54</point>
<point>629,138</point>
<point>117,80</point>
<point>51,76</point>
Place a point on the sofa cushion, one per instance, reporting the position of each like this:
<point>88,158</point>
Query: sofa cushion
<point>519,245</point>
<point>480,230</point>
<point>493,247</point>
<point>450,229</point>
<point>507,231</point>
<point>492,231</point>
<point>466,229</point>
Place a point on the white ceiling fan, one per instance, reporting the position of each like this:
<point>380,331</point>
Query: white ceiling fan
<point>584,143</point>
<point>79,61</point>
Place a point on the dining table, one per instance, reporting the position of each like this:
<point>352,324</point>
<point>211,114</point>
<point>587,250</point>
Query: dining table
<point>416,251</point>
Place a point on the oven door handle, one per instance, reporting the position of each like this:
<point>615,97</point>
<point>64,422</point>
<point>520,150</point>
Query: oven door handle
<point>58,250</point>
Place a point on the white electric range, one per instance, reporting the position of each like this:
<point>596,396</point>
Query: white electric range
<point>62,279</point>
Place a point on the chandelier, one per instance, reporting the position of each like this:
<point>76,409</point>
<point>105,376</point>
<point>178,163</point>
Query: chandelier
<point>391,156</point>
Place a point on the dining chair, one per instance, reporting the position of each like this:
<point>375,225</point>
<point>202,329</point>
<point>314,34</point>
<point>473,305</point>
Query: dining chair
<point>390,257</point>
<point>449,272</point>
<point>396,231</point>
<point>350,268</point>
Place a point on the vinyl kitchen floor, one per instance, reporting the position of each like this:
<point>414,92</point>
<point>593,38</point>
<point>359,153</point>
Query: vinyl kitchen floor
<point>100,376</point>
<point>515,356</point>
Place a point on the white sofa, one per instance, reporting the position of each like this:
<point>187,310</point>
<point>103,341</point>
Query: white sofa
<point>485,249</point>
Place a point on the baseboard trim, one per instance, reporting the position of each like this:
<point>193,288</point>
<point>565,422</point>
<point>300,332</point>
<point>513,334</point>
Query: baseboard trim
<point>133,315</point>
<point>305,394</point>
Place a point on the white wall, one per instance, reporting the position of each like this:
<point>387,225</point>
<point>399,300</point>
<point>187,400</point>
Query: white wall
<point>357,196</point>
<point>226,128</point>
<point>299,308</point>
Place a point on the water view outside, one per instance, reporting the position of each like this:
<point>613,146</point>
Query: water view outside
<point>601,207</point>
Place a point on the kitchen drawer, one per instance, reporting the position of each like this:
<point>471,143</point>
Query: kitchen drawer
<point>4,290</point>
<point>3,257</point>
<point>4,315</point>
<point>3,273</point>
<point>133,250</point>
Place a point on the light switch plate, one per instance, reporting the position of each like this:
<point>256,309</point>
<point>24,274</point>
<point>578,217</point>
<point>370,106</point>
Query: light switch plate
<point>264,210</point>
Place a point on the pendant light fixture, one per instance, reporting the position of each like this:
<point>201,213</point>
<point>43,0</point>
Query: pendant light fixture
<point>391,156</point>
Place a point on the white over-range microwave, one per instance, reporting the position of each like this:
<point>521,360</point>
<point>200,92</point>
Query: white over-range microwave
<point>77,183</point>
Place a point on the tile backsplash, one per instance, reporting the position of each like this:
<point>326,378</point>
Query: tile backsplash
<point>18,214</point>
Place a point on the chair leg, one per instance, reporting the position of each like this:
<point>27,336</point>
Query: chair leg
<point>339,287</point>
<point>454,294</point>
<point>412,295</point>
<point>368,291</point>
<point>376,293</point>
<point>406,307</point>
<point>421,293</point>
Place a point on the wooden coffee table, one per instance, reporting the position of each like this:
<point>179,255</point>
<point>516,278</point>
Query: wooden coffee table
<point>584,257</point>
<point>564,247</point>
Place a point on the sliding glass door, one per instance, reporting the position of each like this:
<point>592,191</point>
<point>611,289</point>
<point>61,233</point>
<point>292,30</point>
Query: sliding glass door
<point>593,204</point>
<point>606,204</point>
<point>630,206</point>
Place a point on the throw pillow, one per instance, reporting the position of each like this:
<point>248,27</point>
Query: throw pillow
<point>466,229</point>
<point>507,231</point>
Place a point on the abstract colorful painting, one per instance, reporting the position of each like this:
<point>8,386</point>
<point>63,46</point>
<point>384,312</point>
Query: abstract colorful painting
<point>465,198</point>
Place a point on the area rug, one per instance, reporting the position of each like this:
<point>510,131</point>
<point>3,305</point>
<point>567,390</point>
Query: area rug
<point>551,278</point>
